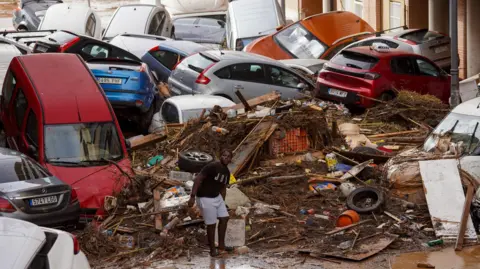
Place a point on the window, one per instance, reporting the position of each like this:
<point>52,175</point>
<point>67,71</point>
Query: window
<point>248,72</point>
<point>335,50</point>
<point>299,42</point>
<point>157,23</point>
<point>211,22</point>
<point>161,24</point>
<point>170,113</point>
<point>358,8</point>
<point>282,78</point>
<point>91,23</point>
<point>8,88</point>
<point>31,131</point>
<point>40,261</point>
<point>224,73</point>
<point>166,58</point>
<point>20,168</point>
<point>20,107</point>
<point>355,60</point>
<point>403,65</point>
<point>185,21</point>
<point>96,51</point>
<point>82,144</point>
<point>368,43</point>
<point>427,69</point>
<point>422,36</point>
<point>197,62</point>
<point>395,15</point>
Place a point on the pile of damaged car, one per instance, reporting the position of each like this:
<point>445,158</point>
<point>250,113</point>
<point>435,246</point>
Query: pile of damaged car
<point>129,129</point>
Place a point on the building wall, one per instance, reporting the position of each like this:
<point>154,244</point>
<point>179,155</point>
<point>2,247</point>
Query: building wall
<point>416,13</point>
<point>462,38</point>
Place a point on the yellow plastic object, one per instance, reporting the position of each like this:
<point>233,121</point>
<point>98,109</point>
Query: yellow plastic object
<point>233,180</point>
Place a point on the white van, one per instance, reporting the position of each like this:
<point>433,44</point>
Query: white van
<point>77,18</point>
<point>248,20</point>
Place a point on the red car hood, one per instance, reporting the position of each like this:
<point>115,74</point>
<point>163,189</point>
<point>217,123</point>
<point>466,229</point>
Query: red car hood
<point>93,183</point>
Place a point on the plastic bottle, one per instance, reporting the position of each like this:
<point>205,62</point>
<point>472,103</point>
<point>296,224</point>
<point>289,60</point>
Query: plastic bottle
<point>435,242</point>
<point>331,160</point>
<point>220,130</point>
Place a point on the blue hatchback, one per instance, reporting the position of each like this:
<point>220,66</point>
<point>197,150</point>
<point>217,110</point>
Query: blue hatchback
<point>129,87</point>
<point>163,58</point>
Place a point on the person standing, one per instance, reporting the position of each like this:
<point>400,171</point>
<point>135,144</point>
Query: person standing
<point>209,189</point>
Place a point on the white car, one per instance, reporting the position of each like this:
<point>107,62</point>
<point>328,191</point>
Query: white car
<point>77,18</point>
<point>26,245</point>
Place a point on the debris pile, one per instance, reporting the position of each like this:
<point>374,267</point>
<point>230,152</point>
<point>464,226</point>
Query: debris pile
<point>304,174</point>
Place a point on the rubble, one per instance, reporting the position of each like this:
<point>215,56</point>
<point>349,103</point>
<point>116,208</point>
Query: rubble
<point>286,194</point>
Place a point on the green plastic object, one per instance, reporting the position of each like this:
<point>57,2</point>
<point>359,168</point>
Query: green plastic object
<point>153,161</point>
<point>435,242</point>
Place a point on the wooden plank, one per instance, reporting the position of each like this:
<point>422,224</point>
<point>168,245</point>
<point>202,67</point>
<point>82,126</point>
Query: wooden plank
<point>246,149</point>
<point>146,140</point>
<point>396,133</point>
<point>445,198</point>
<point>244,102</point>
<point>257,100</point>
<point>465,215</point>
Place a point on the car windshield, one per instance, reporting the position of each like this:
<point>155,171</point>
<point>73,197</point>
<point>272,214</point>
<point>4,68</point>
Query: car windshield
<point>193,114</point>
<point>77,144</point>
<point>459,127</point>
<point>301,43</point>
<point>197,62</point>
<point>355,60</point>
<point>422,36</point>
<point>19,168</point>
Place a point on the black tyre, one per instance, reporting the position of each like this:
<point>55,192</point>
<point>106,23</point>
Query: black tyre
<point>387,96</point>
<point>365,200</point>
<point>193,161</point>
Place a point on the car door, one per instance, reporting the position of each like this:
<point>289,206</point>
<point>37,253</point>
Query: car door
<point>403,75</point>
<point>165,62</point>
<point>184,28</point>
<point>436,83</point>
<point>212,31</point>
<point>287,83</point>
<point>248,78</point>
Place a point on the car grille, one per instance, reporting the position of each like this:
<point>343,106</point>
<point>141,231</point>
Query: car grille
<point>353,74</point>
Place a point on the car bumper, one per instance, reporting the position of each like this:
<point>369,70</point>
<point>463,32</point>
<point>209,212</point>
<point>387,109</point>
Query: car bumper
<point>352,97</point>
<point>120,100</point>
<point>67,216</point>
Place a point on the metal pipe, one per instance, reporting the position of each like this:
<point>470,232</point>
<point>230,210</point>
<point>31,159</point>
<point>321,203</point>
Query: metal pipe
<point>454,89</point>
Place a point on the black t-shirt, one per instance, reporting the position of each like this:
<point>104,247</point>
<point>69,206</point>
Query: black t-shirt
<point>217,176</point>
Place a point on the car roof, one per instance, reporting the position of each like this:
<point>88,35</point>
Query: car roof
<point>238,55</point>
<point>470,107</point>
<point>303,62</point>
<point>137,44</point>
<point>67,90</point>
<point>19,242</point>
<point>187,102</point>
<point>254,18</point>
<point>345,23</point>
<point>187,47</point>
<point>141,5</point>
<point>391,53</point>
<point>176,7</point>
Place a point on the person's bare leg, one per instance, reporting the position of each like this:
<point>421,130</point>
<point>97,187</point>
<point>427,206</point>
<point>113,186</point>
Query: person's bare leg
<point>222,230</point>
<point>211,237</point>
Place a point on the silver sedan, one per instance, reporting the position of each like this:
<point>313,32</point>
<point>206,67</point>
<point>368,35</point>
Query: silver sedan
<point>222,73</point>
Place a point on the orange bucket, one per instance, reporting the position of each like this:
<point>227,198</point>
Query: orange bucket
<point>348,217</point>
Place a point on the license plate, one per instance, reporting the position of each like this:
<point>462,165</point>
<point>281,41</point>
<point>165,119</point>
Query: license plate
<point>338,93</point>
<point>110,80</point>
<point>440,49</point>
<point>41,48</point>
<point>43,200</point>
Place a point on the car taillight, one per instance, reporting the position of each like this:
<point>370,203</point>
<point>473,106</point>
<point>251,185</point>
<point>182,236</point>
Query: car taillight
<point>202,79</point>
<point>67,45</point>
<point>76,245</point>
<point>138,103</point>
<point>6,206</point>
<point>371,76</point>
<point>73,196</point>
<point>157,48</point>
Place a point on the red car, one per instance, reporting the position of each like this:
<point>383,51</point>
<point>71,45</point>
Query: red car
<point>53,110</point>
<point>377,72</point>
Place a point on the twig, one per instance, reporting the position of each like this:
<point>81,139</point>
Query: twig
<point>337,230</point>
<point>368,236</point>
<point>119,168</point>
<point>266,238</point>
<point>375,217</point>
<point>392,216</point>
<point>354,240</point>
<point>345,158</point>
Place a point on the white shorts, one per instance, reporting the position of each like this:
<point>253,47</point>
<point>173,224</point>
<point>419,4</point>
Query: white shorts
<point>212,209</point>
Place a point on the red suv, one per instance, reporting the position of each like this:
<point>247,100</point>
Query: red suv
<point>378,71</point>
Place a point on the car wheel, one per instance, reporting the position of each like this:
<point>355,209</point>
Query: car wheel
<point>387,96</point>
<point>146,118</point>
<point>193,161</point>
<point>365,200</point>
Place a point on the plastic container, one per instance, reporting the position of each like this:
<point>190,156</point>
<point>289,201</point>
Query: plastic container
<point>435,242</point>
<point>348,217</point>
<point>219,130</point>
<point>331,160</point>
<point>346,188</point>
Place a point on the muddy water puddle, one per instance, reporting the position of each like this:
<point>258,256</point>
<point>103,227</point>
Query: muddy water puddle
<point>468,258</point>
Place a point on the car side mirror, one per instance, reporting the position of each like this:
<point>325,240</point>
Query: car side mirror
<point>301,86</point>
<point>32,151</point>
